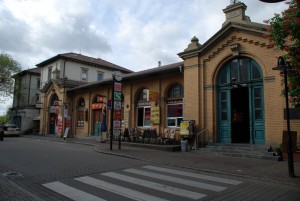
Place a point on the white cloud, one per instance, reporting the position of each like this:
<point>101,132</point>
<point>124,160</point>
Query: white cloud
<point>135,34</point>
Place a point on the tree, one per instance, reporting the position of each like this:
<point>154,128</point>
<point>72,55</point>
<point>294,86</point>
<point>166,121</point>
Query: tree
<point>8,67</point>
<point>284,33</point>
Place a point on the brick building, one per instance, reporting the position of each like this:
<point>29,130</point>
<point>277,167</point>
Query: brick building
<point>225,85</point>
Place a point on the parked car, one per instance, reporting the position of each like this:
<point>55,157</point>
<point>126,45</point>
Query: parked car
<point>11,129</point>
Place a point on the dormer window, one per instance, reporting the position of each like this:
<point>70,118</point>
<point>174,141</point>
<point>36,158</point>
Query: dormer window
<point>84,74</point>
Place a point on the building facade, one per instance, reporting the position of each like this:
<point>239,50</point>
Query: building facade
<point>226,85</point>
<point>25,110</point>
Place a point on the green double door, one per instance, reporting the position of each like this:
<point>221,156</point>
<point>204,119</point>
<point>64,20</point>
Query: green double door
<point>241,115</point>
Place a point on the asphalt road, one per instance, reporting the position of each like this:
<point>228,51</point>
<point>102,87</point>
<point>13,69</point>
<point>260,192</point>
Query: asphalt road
<point>55,170</point>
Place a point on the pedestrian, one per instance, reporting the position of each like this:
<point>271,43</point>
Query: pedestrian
<point>1,131</point>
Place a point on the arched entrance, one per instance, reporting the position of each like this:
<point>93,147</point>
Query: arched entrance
<point>53,116</point>
<point>240,102</point>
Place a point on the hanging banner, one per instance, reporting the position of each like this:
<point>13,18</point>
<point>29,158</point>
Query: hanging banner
<point>155,115</point>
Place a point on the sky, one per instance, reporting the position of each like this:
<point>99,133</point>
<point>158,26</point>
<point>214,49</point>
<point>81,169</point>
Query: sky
<point>134,34</point>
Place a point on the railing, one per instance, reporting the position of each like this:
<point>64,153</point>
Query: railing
<point>201,138</point>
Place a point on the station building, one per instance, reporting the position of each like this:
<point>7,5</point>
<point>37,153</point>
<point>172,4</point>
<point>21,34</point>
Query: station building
<point>226,85</point>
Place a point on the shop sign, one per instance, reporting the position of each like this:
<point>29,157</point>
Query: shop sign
<point>117,105</point>
<point>117,115</point>
<point>52,109</point>
<point>155,115</point>
<point>184,128</point>
<point>118,96</point>
<point>116,132</point>
<point>118,86</point>
<point>141,104</point>
<point>153,96</point>
<point>97,105</point>
<point>59,125</point>
<point>174,101</point>
<point>117,124</point>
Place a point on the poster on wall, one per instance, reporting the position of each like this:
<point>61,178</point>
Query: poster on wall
<point>59,125</point>
<point>155,115</point>
<point>184,128</point>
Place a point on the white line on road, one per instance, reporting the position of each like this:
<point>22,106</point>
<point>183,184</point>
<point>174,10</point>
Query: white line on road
<point>193,175</point>
<point>126,192</point>
<point>156,186</point>
<point>177,180</point>
<point>70,192</point>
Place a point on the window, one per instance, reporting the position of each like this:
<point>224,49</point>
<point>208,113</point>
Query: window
<point>175,106</point>
<point>37,98</point>
<point>144,116</point>
<point>80,112</point>
<point>100,76</point>
<point>38,83</point>
<point>49,73</point>
<point>144,109</point>
<point>84,74</point>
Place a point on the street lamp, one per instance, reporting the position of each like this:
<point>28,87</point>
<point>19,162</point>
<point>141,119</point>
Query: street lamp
<point>284,66</point>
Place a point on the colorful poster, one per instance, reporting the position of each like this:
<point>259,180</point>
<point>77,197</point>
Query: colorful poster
<point>59,125</point>
<point>184,128</point>
<point>155,115</point>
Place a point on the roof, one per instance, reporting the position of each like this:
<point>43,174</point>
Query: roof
<point>61,83</point>
<point>35,71</point>
<point>79,58</point>
<point>135,75</point>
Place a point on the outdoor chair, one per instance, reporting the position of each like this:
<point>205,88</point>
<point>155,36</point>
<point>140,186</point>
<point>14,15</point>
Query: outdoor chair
<point>147,136</point>
<point>153,136</point>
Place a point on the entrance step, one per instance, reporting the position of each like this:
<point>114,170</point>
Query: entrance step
<point>241,150</point>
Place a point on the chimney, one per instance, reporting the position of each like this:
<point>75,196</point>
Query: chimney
<point>159,63</point>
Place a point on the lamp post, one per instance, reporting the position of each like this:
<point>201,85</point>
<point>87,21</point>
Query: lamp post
<point>284,66</point>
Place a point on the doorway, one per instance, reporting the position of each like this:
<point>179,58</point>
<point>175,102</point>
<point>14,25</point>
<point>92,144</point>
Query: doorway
<point>240,115</point>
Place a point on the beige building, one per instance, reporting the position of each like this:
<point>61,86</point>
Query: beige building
<point>226,85</point>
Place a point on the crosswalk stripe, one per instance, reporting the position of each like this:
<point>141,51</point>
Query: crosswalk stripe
<point>156,186</point>
<point>177,180</point>
<point>126,192</point>
<point>70,192</point>
<point>193,175</point>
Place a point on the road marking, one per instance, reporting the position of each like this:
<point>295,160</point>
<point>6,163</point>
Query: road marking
<point>70,192</point>
<point>193,175</point>
<point>177,180</point>
<point>126,192</point>
<point>156,186</point>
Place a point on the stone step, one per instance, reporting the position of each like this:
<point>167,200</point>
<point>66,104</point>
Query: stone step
<point>241,150</point>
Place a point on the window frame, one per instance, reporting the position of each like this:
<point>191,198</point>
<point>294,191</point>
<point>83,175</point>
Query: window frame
<point>84,71</point>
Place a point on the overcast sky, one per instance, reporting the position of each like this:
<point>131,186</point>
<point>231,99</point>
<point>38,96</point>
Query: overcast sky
<point>134,34</point>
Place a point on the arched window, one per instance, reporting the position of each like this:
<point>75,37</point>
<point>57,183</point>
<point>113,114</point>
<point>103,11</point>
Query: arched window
<point>80,112</point>
<point>239,70</point>
<point>175,106</point>
<point>144,109</point>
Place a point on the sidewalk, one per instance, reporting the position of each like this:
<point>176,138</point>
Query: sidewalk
<point>253,168</point>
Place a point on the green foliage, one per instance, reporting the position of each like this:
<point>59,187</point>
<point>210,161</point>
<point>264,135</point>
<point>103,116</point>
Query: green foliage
<point>8,67</point>
<point>3,119</point>
<point>284,33</point>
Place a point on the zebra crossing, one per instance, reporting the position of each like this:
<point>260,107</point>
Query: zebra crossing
<point>136,183</point>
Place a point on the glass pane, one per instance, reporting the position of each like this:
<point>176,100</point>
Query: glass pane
<point>244,69</point>
<point>224,106</point>
<point>147,119</point>
<point>223,77</point>
<point>224,116</point>
<point>258,114</point>
<point>255,71</point>
<point>234,69</point>
<point>223,96</point>
<point>257,103</point>
<point>257,93</point>
<point>140,116</point>
<point>179,121</point>
<point>174,110</point>
<point>171,122</point>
